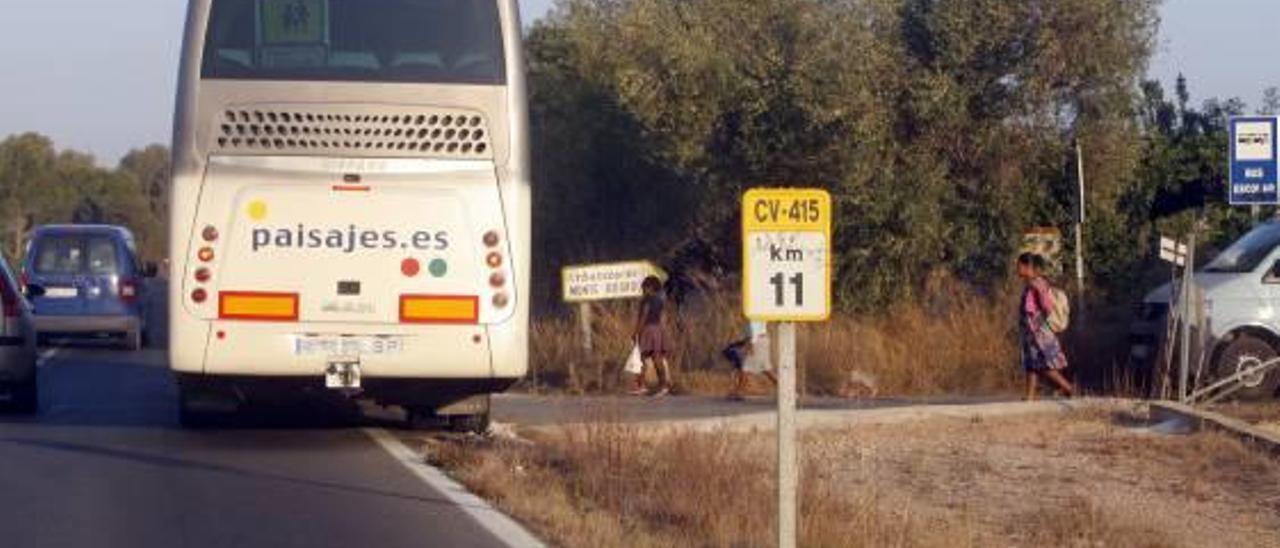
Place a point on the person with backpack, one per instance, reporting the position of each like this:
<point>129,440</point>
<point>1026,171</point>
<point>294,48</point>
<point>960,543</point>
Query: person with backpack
<point>1043,313</point>
<point>749,355</point>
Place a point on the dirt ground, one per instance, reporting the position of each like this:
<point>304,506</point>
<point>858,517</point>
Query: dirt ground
<point>1084,478</point>
<point>1076,481</point>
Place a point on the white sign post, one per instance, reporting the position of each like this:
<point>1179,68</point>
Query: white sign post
<point>586,284</point>
<point>607,281</point>
<point>786,258</point>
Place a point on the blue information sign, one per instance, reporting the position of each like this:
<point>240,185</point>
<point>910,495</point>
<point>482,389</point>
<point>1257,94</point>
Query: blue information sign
<point>1255,165</point>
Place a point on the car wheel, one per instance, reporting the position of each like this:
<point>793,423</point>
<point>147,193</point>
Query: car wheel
<point>26,396</point>
<point>1245,352</point>
<point>133,340</point>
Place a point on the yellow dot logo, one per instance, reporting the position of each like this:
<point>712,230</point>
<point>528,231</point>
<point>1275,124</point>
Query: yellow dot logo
<point>258,210</point>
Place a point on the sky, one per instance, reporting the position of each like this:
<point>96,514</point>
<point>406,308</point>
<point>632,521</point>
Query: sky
<point>99,76</point>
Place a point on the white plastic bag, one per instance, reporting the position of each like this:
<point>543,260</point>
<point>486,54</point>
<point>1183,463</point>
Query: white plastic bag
<point>635,365</point>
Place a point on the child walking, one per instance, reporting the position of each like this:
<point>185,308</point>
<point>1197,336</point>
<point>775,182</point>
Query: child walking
<point>1042,355</point>
<point>750,355</point>
<point>651,335</point>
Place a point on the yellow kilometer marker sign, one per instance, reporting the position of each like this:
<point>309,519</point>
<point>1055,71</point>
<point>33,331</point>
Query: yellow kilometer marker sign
<point>786,256</point>
<point>786,261</point>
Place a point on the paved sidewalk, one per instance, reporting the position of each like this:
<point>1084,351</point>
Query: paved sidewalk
<point>712,414</point>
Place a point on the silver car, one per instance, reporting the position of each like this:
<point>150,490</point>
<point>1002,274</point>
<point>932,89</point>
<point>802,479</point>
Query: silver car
<point>18,391</point>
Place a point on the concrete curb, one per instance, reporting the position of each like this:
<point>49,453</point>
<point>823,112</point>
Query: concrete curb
<point>813,419</point>
<point>1199,418</point>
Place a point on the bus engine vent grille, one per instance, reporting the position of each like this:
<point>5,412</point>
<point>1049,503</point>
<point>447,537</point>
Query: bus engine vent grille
<point>454,134</point>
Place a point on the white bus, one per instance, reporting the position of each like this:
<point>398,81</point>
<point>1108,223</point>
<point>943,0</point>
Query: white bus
<point>350,205</point>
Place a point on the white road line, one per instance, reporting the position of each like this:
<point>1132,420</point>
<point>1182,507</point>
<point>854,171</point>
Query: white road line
<point>46,356</point>
<point>501,525</point>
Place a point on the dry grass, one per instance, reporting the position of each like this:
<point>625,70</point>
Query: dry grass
<point>955,343</point>
<point>608,484</point>
<point>1076,481</point>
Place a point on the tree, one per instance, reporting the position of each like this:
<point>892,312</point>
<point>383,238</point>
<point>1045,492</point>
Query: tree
<point>943,128</point>
<point>149,173</point>
<point>42,185</point>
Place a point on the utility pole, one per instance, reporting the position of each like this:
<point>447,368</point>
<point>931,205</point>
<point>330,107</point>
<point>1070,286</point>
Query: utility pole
<point>1080,232</point>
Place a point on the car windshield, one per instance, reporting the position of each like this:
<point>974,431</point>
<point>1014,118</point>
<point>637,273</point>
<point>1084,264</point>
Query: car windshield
<point>1246,253</point>
<point>438,41</point>
<point>71,254</point>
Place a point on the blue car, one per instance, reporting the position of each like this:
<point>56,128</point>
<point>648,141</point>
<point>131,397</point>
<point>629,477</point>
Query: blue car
<point>89,281</point>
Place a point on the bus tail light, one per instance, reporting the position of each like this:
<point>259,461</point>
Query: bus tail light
<point>199,296</point>
<point>210,234</point>
<point>494,260</point>
<point>203,274</point>
<point>254,306</point>
<point>501,300</point>
<point>205,255</point>
<point>492,239</point>
<point>497,280</point>
<point>439,309</point>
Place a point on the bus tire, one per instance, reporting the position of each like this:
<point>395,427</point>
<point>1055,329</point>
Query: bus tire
<point>192,417</point>
<point>470,424</point>
<point>1242,352</point>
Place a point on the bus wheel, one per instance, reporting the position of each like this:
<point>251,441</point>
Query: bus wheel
<point>470,424</point>
<point>192,416</point>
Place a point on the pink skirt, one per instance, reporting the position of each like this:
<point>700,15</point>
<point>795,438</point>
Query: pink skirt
<point>654,341</point>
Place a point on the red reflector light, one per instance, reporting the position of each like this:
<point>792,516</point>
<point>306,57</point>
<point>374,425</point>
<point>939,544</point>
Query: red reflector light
<point>494,260</point>
<point>256,306</point>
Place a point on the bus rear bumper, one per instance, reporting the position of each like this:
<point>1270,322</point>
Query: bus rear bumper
<point>438,352</point>
<point>407,392</point>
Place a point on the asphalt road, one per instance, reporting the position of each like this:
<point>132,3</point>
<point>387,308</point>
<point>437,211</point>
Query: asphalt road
<point>104,464</point>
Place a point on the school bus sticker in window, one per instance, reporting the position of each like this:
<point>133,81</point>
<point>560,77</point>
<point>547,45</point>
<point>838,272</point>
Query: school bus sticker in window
<point>294,21</point>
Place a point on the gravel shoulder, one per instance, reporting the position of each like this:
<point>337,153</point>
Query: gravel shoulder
<point>1012,479</point>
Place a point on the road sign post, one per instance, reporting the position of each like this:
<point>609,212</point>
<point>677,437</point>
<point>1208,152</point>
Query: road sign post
<point>786,252</point>
<point>1255,164</point>
<point>590,283</point>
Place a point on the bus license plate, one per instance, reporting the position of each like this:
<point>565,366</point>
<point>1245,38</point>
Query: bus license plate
<point>347,346</point>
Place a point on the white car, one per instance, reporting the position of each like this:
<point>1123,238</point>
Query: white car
<point>18,392</point>
<point>1240,289</point>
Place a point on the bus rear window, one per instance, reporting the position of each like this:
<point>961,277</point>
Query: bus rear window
<point>428,41</point>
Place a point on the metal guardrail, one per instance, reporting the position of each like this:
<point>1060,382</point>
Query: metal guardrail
<point>1228,385</point>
